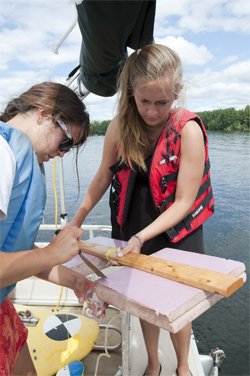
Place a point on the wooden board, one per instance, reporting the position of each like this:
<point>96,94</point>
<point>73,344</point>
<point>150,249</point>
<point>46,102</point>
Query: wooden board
<point>59,338</point>
<point>209,280</point>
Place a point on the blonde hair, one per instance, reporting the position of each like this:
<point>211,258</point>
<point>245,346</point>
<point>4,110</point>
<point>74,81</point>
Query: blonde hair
<point>153,62</point>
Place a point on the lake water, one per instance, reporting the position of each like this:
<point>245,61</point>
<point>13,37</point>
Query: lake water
<point>225,325</point>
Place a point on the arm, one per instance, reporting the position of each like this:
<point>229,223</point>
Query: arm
<point>191,168</point>
<point>63,276</point>
<point>60,275</point>
<point>102,178</point>
<point>21,265</point>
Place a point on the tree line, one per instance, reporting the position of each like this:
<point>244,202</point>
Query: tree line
<point>228,119</point>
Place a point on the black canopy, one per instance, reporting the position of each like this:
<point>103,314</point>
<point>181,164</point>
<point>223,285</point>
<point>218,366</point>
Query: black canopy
<point>108,28</point>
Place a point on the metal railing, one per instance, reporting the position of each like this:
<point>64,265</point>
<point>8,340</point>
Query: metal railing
<point>90,228</point>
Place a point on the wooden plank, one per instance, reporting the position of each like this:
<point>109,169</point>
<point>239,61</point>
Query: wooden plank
<point>208,280</point>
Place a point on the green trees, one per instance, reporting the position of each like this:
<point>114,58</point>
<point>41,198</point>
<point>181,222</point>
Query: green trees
<point>100,127</point>
<point>228,119</point>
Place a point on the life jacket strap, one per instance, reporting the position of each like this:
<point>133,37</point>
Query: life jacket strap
<point>164,204</point>
<point>167,179</point>
<point>116,185</point>
<point>206,168</point>
<point>116,188</point>
<point>117,167</point>
<point>186,222</point>
<point>172,177</point>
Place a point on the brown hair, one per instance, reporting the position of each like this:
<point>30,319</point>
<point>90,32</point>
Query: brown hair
<point>152,62</point>
<point>55,99</point>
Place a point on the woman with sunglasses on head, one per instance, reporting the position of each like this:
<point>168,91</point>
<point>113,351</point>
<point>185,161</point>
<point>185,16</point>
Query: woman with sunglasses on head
<point>44,122</point>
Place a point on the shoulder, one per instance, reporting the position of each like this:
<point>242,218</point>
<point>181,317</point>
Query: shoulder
<point>192,133</point>
<point>114,124</point>
<point>7,155</point>
<point>192,126</point>
<point>18,141</point>
<point>113,131</point>
<point>192,140</point>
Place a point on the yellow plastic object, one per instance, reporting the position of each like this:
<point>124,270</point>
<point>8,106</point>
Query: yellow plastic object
<point>59,338</point>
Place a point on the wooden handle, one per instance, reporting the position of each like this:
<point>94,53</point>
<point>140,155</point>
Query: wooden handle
<point>218,283</point>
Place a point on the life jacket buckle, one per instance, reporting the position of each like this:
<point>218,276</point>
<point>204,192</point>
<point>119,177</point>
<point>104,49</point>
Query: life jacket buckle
<point>162,207</point>
<point>163,185</point>
<point>116,185</point>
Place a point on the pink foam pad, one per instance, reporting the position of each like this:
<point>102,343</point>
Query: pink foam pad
<point>168,304</point>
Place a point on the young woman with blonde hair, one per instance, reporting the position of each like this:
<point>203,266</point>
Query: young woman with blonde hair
<point>156,158</point>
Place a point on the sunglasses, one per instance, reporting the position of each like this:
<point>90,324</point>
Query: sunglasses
<point>69,143</point>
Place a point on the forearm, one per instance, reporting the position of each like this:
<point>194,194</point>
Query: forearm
<point>102,178</point>
<point>66,277</point>
<point>168,219</point>
<point>59,275</point>
<point>173,215</point>
<point>18,266</point>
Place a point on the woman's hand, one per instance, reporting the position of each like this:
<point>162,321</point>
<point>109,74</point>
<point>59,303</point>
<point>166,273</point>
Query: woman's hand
<point>134,245</point>
<point>66,244</point>
<point>81,286</point>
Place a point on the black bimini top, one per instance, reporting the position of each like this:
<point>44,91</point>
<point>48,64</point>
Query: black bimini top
<point>108,28</point>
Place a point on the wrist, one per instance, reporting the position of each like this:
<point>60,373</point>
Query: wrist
<point>76,222</point>
<point>52,258</point>
<point>139,239</point>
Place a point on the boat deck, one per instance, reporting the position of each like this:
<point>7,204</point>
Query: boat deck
<point>131,358</point>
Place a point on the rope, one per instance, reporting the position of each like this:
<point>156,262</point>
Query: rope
<point>105,343</point>
<point>69,352</point>
<point>54,46</point>
<point>113,249</point>
<point>107,327</point>
<point>54,185</point>
<point>56,213</point>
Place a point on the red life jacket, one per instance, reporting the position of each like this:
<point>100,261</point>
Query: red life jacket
<point>163,174</point>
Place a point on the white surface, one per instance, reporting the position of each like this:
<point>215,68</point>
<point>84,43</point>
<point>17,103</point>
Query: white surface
<point>8,169</point>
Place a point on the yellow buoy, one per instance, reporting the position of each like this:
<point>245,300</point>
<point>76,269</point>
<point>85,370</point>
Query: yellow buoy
<point>58,338</point>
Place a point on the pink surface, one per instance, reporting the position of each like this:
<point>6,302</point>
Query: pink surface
<point>164,296</point>
<point>165,303</point>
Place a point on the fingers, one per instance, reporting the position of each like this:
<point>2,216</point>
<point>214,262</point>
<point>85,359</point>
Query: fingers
<point>132,246</point>
<point>124,251</point>
<point>76,231</point>
<point>113,263</point>
<point>104,307</point>
<point>82,285</point>
<point>66,244</point>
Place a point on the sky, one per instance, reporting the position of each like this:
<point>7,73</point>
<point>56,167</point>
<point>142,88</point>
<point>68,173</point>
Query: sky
<point>211,37</point>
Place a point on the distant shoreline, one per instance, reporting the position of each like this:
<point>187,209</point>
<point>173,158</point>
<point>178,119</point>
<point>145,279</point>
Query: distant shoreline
<point>228,120</point>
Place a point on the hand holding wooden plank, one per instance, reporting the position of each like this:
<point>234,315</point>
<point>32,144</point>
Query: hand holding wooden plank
<point>219,283</point>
